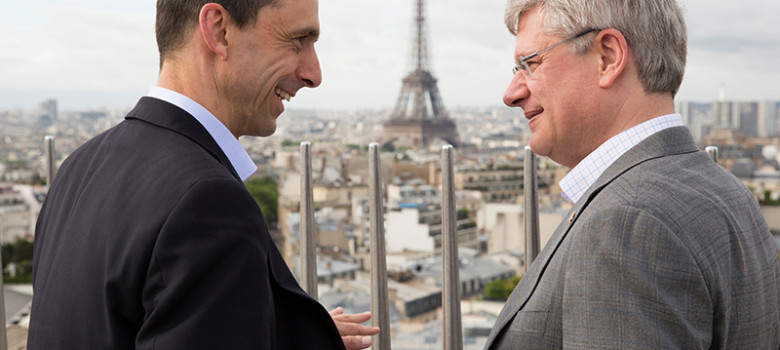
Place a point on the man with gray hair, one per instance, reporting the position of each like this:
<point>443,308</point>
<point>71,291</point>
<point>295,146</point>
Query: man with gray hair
<point>663,248</point>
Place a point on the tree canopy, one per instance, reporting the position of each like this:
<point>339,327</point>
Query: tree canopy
<point>501,289</point>
<point>266,193</point>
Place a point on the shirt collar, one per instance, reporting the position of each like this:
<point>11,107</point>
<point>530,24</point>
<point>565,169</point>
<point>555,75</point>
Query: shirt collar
<point>228,143</point>
<point>581,177</point>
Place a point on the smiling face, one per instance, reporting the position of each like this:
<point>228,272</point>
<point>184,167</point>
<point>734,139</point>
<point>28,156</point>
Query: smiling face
<point>559,100</point>
<point>269,62</point>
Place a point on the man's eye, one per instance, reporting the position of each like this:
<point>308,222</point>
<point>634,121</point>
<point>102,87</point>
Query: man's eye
<point>297,43</point>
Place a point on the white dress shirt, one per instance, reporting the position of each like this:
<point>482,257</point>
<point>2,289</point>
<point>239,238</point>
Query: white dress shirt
<point>579,179</point>
<point>229,144</point>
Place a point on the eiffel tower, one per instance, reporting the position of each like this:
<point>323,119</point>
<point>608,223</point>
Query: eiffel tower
<point>419,117</point>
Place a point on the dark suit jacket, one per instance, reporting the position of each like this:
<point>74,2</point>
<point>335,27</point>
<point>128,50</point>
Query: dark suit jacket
<point>149,240</point>
<point>667,250</point>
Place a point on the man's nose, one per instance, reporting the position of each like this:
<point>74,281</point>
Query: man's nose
<point>517,91</point>
<point>310,71</point>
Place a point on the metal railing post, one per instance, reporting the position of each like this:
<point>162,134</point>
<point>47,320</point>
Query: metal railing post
<point>49,149</point>
<point>3,336</point>
<point>453,332</point>
<point>307,247</point>
<point>379,297</point>
<point>531,192</point>
<point>712,151</point>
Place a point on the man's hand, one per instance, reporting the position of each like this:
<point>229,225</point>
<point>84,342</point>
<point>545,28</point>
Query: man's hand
<point>355,336</point>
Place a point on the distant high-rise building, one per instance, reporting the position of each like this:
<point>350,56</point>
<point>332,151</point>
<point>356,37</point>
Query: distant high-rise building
<point>47,113</point>
<point>747,113</point>
<point>696,116</point>
<point>683,108</point>
<point>768,118</point>
<point>723,115</point>
<point>419,116</point>
<point>49,107</point>
<point>750,118</point>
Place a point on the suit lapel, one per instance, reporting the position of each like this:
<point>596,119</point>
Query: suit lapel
<point>165,115</point>
<point>670,141</point>
<point>168,116</point>
<point>530,280</point>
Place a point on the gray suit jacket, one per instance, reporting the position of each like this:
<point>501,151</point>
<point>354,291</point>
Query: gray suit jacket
<point>667,250</point>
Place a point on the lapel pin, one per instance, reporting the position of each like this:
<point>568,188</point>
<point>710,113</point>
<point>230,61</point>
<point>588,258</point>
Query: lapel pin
<point>573,215</point>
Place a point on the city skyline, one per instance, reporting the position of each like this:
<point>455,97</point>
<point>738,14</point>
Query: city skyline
<point>89,54</point>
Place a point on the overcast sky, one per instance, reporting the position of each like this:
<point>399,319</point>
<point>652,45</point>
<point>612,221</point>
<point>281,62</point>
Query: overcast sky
<point>93,53</point>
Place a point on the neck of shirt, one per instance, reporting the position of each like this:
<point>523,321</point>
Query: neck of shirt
<point>584,175</point>
<point>227,142</point>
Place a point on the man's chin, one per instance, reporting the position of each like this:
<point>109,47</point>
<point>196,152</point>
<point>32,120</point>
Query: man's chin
<point>261,131</point>
<point>266,132</point>
<point>537,148</point>
<point>265,127</point>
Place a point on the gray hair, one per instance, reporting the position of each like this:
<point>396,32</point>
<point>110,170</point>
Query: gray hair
<point>654,29</point>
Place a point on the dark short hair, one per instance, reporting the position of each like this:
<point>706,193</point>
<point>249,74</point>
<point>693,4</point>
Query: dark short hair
<point>175,18</point>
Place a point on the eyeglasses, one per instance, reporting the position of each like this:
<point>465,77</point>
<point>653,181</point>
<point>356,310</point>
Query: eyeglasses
<point>522,63</point>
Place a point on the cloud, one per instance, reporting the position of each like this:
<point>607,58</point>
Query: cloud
<point>364,58</point>
<point>82,48</point>
<point>108,46</point>
<point>733,44</point>
<point>723,25</point>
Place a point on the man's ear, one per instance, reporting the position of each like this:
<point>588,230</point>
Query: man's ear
<point>613,50</point>
<point>213,22</point>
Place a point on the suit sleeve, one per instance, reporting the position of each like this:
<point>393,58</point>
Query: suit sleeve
<point>208,282</point>
<point>632,284</point>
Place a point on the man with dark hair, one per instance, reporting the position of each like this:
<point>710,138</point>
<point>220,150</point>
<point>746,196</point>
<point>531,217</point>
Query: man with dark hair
<point>148,238</point>
<point>663,249</point>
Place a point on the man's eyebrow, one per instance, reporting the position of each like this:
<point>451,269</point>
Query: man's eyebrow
<point>314,33</point>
